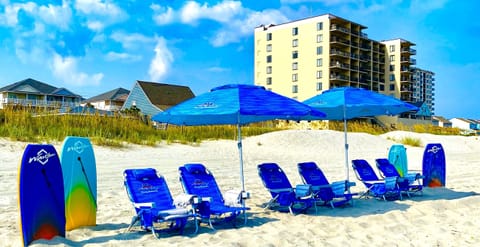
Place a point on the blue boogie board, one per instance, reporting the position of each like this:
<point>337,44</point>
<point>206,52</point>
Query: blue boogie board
<point>434,165</point>
<point>397,155</point>
<point>80,179</point>
<point>40,197</point>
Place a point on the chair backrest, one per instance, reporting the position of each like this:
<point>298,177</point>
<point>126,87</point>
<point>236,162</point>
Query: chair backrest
<point>364,170</point>
<point>273,178</point>
<point>197,180</point>
<point>311,174</point>
<point>146,186</point>
<point>387,168</point>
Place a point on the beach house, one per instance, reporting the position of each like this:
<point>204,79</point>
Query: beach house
<point>441,122</point>
<point>151,98</point>
<point>109,101</point>
<point>33,93</point>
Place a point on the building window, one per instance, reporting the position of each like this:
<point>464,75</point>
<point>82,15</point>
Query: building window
<point>294,77</point>
<point>319,74</point>
<point>294,89</point>
<point>382,87</point>
<point>269,58</point>
<point>295,31</point>
<point>319,62</point>
<point>319,50</point>
<point>295,42</point>
<point>294,66</point>
<point>269,69</point>
<point>392,67</point>
<point>319,38</point>
<point>269,80</point>
<point>392,77</point>
<point>319,86</point>
<point>295,54</point>
<point>269,47</point>
<point>319,26</point>
<point>392,87</point>
<point>269,36</point>
<point>392,58</point>
<point>392,48</point>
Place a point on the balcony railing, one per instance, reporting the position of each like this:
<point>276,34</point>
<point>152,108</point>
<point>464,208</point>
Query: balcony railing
<point>39,103</point>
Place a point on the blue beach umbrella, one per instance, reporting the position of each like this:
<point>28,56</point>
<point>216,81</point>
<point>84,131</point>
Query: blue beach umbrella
<point>347,102</point>
<point>237,104</point>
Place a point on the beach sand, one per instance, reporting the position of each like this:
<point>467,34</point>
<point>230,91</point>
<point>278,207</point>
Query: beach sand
<point>447,216</point>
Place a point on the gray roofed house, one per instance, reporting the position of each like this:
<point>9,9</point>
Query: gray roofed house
<point>152,98</point>
<point>33,93</point>
<point>110,101</point>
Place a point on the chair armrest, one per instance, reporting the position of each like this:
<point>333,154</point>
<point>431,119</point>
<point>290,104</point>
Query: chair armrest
<point>185,200</point>
<point>303,190</point>
<point>143,204</point>
<point>235,198</point>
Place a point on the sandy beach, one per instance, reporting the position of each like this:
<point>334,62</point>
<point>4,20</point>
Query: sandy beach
<point>447,216</point>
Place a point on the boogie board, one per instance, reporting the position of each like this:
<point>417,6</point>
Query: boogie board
<point>42,208</point>
<point>434,165</point>
<point>397,155</point>
<point>80,179</point>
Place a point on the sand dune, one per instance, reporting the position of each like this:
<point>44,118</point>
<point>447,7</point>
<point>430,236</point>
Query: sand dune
<point>441,217</point>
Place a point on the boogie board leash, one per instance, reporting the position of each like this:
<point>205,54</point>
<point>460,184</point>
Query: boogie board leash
<point>86,178</point>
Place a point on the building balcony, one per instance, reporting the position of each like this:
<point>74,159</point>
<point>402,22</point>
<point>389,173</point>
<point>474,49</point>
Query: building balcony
<point>335,52</point>
<point>339,77</point>
<point>335,27</point>
<point>408,50</point>
<point>339,65</point>
<point>39,103</point>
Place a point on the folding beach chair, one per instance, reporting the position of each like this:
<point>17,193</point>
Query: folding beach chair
<point>154,204</point>
<point>284,196</point>
<point>333,194</point>
<point>410,183</point>
<point>385,189</point>
<point>214,207</point>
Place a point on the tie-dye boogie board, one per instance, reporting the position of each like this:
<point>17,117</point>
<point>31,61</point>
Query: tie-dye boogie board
<point>80,179</point>
<point>40,180</point>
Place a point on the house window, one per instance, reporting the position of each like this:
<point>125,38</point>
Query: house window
<point>294,66</point>
<point>392,58</point>
<point>294,89</point>
<point>294,77</point>
<point>319,50</point>
<point>269,58</point>
<point>392,67</point>
<point>319,74</point>
<point>269,47</point>
<point>269,80</point>
<point>392,48</point>
<point>319,26</point>
<point>295,54</point>
<point>269,69</point>
<point>319,62</point>
<point>392,87</point>
<point>295,31</point>
<point>392,77</point>
<point>295,42</point>
<point>319,86</point>
<point>269,36</point>
<point>319,38</point>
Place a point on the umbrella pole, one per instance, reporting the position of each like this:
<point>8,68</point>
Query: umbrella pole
<point>241,156</point>
<point>345,129</point>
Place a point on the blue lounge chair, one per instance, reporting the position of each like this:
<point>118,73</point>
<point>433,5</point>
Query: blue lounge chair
<point>410,184</point>
<point>385,189</point>
<point>284,196</point>
<point>154,203</point>
<point>333,194</point>
<point>197,180</point>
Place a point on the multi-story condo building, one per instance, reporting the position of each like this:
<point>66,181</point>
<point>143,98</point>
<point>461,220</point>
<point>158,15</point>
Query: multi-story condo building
<point>423,87</point>
<point>302,58</point>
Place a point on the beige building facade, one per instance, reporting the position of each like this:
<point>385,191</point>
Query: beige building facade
<point>302,58</point>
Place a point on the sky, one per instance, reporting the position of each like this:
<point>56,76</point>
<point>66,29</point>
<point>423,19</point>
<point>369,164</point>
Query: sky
<point>94,46</point>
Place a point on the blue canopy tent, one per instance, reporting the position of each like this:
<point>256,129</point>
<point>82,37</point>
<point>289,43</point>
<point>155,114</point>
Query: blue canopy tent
<point>347,102</point>
<point>237,104</point>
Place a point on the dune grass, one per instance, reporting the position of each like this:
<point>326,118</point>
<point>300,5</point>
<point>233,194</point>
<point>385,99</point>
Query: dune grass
<point>29,125</point>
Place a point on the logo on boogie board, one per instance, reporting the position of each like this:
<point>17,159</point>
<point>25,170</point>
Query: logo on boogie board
<point>42,157</point>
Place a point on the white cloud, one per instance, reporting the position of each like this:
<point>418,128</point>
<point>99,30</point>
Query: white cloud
<point>65,69</point>
<point>222,12</point>
<point>115,56</point>
<point>131,41</point>
<point>100,14</point>
<point>161,62</point>
<point>56,15</point>
<point>162,16</point>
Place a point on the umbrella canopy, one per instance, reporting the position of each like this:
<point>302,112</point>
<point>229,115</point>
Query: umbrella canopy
<point>346,103</point>
<point>237,104</point>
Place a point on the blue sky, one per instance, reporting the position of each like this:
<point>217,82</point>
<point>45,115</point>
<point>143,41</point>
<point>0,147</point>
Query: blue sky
<point>93,46</point>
